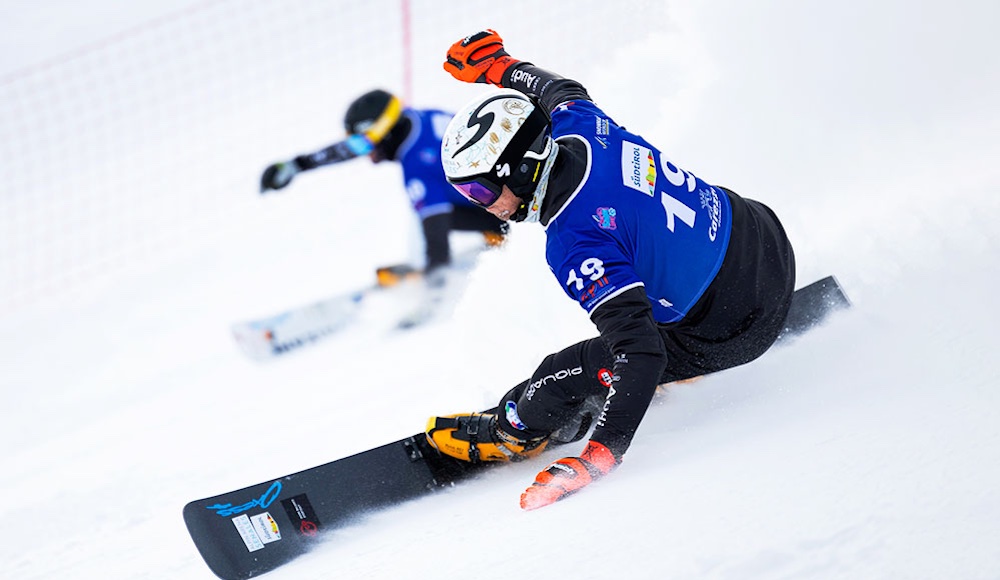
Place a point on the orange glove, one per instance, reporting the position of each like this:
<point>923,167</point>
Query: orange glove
<point>479,58</point>
<point>569,475</point>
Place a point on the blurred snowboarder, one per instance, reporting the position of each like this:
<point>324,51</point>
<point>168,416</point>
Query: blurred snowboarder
<point>379,126</point>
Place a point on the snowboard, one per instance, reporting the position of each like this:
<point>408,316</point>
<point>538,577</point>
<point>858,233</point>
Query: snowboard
<point>272,336</point>
<point>245,533</point>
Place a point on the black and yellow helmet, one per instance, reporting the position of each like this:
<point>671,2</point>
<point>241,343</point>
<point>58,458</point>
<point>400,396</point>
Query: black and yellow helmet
<point>373,115</point>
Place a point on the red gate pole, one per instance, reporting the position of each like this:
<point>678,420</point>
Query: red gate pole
<point>407,54</point>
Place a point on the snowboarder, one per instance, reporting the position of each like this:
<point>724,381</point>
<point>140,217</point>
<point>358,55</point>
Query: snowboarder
<point>680,277</point>
<point>378,125</point>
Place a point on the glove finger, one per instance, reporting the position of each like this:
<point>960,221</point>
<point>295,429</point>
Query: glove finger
<point>464,73</point>
<point>562,478</point>
<point>457,51</point>
<point>538,496</point>
<point>485,51</point>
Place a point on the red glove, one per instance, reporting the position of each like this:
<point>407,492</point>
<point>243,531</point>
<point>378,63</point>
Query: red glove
<point>479,58</point>
<point>569,475</point>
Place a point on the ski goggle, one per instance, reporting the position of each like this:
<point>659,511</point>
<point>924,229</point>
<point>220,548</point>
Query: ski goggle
<point>480,193</point>
<point>359,144</point>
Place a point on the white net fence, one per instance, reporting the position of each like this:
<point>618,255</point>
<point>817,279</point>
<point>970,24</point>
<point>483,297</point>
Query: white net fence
<point>115,153</point>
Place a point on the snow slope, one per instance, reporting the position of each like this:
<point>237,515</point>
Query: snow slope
<point>869,448</point>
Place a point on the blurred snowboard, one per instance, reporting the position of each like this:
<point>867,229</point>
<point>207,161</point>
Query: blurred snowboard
<point>433,298</point>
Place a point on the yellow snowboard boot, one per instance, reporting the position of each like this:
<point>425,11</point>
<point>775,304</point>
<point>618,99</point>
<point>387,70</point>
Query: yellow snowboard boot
<point>476,437</point>
<point>494,239</point>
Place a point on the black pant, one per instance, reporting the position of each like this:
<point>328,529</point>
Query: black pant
<point>461,218</point>
<point>737,319</point>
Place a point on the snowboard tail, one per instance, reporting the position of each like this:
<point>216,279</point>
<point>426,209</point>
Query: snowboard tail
<point>812,304</point>
<point>250,531</point>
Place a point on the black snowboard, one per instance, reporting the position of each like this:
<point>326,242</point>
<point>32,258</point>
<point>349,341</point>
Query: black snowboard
<point>245,533</point>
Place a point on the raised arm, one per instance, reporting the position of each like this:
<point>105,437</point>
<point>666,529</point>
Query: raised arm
<point>481,58</point>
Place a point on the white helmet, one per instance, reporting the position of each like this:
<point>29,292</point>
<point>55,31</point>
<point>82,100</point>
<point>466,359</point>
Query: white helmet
<point>500,139</point>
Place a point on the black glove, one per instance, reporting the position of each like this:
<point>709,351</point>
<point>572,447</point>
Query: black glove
<point>278,175</point>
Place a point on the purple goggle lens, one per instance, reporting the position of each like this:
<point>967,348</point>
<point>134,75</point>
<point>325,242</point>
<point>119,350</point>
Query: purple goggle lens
<point>478,193</point>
